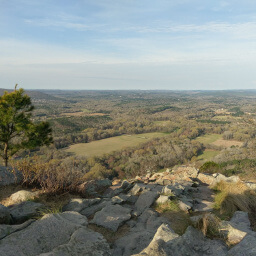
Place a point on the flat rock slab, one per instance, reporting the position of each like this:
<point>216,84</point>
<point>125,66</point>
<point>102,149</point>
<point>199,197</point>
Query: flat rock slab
<point>23,211</point>
<point>144,201</point>
<point>140,235</point>
<point>111,217</point>
<point>91,210</point>
<point>83,242</point>
<point>43,236</point>
<point>78,204</point>
<point>191,243</point>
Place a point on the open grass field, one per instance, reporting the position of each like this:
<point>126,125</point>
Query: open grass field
<point>215,139</point>
<point>227,143</point>
<point>208,155</point>
<point>100,147</point>
<point>209,138</point>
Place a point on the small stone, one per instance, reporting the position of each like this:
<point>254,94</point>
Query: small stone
<point>162,199</point>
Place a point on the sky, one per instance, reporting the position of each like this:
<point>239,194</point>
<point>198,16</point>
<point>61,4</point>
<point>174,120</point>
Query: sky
<point>128,44</point>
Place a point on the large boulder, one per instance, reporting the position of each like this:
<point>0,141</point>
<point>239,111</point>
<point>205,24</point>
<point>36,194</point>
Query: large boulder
<point>111,217</point>
<point>6,230</point>
<point>191,243</point>
<point>9,176</point>
<point>206,179</point>
<point>23,211</point>
<point>94,187</point>
<point>5,216</point>
<point>55,234</point>
<point>237,228</point>
<point>22,196</point>
<point>245,248</point>
<point>140,235</point>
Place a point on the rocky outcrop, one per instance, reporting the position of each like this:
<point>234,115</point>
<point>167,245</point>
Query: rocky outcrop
<point>25,210</point>
<point>126,210</point>
<point>55,234</point>
<point>167,243</point>
<point>94,187</point>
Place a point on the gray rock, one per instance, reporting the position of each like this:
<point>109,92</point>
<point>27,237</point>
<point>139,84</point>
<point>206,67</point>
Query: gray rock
<point>137,188</point>
<point>220,177</point>
<point>126,185</point>
<point>158,189</point>
<point>162,199</point>
<point>206,179</point>
<point>203,205</point>
<point>240,220</point>
<point>83,242</point>
<point>121,198</point>
<point>44,235</point>
<point>185,205</point>
<point>175,189</point>
<point>167,190</point>
<point>140,235</point>
<point>23,211</point>
<point>6,230</point>
<point>191,243</point>
<point>5,216</point>
<point>144,201</point>
<point>9,176</point>
<point>237,228</point>
<point>245,248</point>
<point>95,208</point>
<point>22,196</point>
<point>112,217</point>
<point>78,204</point>
<point>132,243</point>
<point>165,233</point>
<point>94,187</point>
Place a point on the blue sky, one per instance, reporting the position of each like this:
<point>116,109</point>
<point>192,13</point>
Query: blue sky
<point>128,44</point>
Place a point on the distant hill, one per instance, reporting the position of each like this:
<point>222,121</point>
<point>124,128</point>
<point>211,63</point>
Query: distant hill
<point>35,95</point>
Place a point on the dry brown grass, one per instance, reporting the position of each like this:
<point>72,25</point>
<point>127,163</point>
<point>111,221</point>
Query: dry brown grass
<point>233,197</point>
<point>227,143</point>
<point>210,226</point>
<point>179,220</point>
<point>6,192</point>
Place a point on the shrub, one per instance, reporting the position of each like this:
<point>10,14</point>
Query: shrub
<point>210,167</point>
<point>51,176</point>
<point>232,197</point>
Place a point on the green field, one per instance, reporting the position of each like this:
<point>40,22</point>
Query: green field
<point>208,155</point>
<point>208,138</point>
<point>100,147</point>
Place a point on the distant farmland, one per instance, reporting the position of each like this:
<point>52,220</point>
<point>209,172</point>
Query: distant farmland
<point>100,147</point>
<point>215,139</point>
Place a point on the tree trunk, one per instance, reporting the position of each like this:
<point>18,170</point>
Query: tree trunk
<point>5,154</point>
